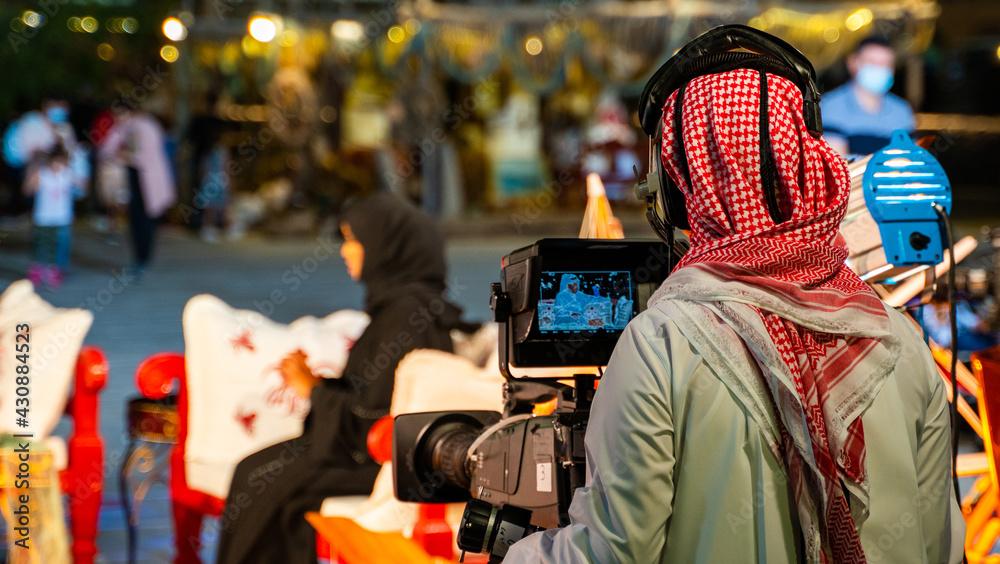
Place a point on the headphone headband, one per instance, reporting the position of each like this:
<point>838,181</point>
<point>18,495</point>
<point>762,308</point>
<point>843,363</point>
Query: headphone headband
<point>713,52</point>
<point>710,53</point>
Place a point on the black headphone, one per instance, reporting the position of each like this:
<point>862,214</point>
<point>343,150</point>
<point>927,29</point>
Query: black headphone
<point>711,53</point>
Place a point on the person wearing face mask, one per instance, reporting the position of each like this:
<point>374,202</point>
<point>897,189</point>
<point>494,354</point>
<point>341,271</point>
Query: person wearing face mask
<point>28,142</point>
<point>860,116</point>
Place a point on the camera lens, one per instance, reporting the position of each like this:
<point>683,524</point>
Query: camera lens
<point>448,452</point>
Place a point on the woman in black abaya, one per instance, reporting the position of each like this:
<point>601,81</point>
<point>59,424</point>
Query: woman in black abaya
<point>397,253</point>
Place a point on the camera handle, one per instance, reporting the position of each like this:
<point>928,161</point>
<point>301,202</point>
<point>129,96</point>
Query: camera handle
<point>501,305</point>
<point>520,396</point>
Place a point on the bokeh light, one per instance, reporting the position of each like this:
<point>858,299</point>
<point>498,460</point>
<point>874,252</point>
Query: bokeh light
<point>413,26</point>
<point>347,30</point>
<point>105,51</point>
<point>174,30</point>
<point>859,19</point>
<point>396,34</point>
<point>74,24</point>
<point>533,46</point>
<point>169,53</point>
<point>288,38</point>
<point>32,19</point>
<point>831,34</point>
<point>129,25</point>
<point>89,24</point>
<point>263,29</point>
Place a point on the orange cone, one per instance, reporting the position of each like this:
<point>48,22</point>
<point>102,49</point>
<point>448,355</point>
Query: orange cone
<point>598,221</point>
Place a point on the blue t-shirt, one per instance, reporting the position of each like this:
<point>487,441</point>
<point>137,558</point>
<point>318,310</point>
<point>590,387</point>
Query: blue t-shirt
<point>864,131</point>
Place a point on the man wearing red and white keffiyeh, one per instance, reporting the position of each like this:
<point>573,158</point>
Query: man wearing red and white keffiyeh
<point>767,407</point>
<point>821,336</point>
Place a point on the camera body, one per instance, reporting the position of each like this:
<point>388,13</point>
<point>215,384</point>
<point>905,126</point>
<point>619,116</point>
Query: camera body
<point>561,303</point>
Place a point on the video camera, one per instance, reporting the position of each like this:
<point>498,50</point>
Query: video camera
<point>561,303</point>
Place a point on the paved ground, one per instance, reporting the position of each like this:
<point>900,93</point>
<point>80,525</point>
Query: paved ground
<point>142,318</point>
<point>145,317</point>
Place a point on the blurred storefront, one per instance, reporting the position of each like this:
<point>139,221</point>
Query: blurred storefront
<point>468,107</point>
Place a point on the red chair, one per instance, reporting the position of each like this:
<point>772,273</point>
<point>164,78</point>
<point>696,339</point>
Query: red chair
<point>83,478</point>
<point>980,506</point>
<point>155,380</point>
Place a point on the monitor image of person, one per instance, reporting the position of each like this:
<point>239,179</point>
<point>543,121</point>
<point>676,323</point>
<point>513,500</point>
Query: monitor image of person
<point>584,301</point>
<point>570,302</point>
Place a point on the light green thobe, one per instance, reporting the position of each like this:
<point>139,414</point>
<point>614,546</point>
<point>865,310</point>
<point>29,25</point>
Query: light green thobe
<point>678,471</point>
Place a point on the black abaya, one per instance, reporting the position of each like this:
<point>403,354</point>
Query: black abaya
<point>403,272</point>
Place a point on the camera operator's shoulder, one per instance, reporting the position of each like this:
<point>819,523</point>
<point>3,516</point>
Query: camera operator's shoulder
<point>915,363</point>
<point>656,328</point>
<point>902,326</point>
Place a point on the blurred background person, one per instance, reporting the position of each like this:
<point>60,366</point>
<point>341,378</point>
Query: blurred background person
<point>973,326</point>
<point>109,179</point>
<point>31,139</point>
<point>110,182</point>
<point>138,139</point>
<point>212,197</point>
<point>53,186</point>
<point>860,116</point>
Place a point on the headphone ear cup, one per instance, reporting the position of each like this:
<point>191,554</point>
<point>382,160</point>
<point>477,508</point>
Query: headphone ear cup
<point>813,118</point>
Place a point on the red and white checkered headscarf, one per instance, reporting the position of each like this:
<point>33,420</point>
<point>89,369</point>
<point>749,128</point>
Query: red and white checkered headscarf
<point>819,335</point>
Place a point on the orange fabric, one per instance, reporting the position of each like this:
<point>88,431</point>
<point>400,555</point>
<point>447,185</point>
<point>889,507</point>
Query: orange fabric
<point>351,543</point>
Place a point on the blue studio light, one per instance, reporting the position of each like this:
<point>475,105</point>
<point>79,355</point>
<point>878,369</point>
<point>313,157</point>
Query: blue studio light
<point>901,184</point>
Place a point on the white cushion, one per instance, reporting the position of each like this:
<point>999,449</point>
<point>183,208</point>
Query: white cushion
<point>237,400</point>
<point>55,336</point>
<point>429,380</point>
<point>479,347</point>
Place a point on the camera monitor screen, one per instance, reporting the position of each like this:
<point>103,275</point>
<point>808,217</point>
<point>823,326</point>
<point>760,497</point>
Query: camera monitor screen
<point>573,302</point>
<point>570,299</point>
